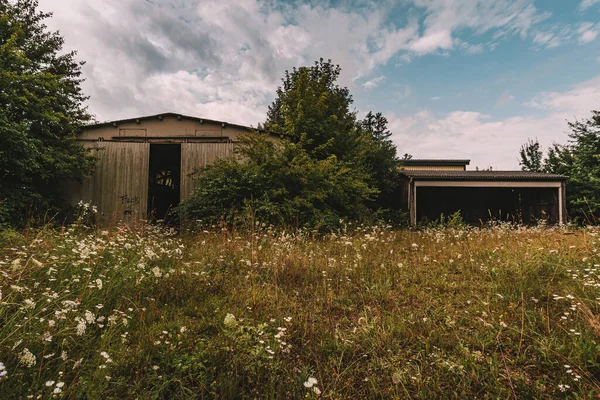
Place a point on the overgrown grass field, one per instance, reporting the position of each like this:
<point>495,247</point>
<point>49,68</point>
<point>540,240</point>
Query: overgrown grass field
<point>373,313</point>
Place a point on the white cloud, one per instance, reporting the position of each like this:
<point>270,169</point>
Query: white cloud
<point>432,41</point>
<point>585,4</point>
<point>588,32</point>
<point>203,56</point>
<point>403,93</point>
<point>473,135</point>
<point>373,83</point>
<point>504,99</point>
<point>435,98</point>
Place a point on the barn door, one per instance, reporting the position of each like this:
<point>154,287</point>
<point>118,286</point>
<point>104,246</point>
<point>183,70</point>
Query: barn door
<point>121,180</point>
<point>196,155</point>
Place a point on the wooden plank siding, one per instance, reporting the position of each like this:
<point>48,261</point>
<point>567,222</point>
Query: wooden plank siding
<point>196,155</point>
<point>119,186</point>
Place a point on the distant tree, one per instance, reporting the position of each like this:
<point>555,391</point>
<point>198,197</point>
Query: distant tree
<point>380,161</point>
<point>376,124</point>
<point>41,110</point>
<point>531,156</point>
<point>579,160</point>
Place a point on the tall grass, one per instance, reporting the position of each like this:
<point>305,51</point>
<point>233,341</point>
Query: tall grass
<point>371,313</point>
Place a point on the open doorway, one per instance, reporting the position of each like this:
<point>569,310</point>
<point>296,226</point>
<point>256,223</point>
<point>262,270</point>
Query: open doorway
<point>163,180</point>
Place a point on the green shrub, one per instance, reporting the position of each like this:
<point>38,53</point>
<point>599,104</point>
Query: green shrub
<point>279,184</point>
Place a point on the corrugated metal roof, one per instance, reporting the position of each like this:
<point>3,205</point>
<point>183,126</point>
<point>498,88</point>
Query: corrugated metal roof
<point>435,161</point>
<point>168,114</point>
<point>483,175</point>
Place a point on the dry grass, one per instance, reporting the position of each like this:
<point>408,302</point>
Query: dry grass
<point>373,313</point>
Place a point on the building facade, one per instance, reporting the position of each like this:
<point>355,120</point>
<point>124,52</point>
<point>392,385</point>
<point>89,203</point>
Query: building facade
<point>144,164</point>
<point>435,187</point>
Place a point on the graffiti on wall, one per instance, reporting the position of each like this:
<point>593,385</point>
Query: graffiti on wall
<point>129,203</point>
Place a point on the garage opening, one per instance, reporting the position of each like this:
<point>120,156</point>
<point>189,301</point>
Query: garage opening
<point>481,204</point>
<point>164,181</point>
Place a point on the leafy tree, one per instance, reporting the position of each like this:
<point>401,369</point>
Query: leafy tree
<point>380,161</point>
<point>41,109</point>
<point>329,165</point>
<point>579,159</point>
<point>312,109</point>
<point>531,156</point>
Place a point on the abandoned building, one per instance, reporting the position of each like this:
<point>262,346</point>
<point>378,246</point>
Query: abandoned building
<point>435,187</point>
<point>144,164</point>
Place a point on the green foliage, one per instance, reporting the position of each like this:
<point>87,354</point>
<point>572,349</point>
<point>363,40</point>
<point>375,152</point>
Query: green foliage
<point>280,184</point>
<point>531,156</point>
<point>311,109</point>
<point>41,109</point>
<point>579,159</point>
<point>454,220</point>
<point>328,166</point>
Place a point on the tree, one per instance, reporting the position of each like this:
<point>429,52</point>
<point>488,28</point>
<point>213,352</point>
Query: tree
<point>380,160</point>
<point>328,166</point>
<point>310,108</point>
<point>579,160</point>
<point>531,156</point>
<point>41,110</point>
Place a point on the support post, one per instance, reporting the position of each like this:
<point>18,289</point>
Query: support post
<point>413,203</point>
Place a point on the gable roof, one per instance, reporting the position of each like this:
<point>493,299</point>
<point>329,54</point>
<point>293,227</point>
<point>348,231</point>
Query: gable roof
<point>163,115</point>
<point>483,175</point>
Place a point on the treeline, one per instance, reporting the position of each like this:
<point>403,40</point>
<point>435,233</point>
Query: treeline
<point>579,160</point>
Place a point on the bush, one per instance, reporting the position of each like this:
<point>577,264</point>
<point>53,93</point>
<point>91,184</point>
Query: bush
<point>278,183</point>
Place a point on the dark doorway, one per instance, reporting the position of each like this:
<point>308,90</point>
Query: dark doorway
<point>164,180</point>
<point>478,204</point>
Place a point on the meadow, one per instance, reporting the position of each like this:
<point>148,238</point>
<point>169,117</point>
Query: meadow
<point>144,312</point>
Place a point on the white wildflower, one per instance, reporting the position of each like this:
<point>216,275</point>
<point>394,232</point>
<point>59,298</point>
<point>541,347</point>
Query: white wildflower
<point>80,326</point>
<point>89,317</point>
<point>27,358</point>
<point>156,272</point>
<point>230,320</point>
<point>99,283</point>
<point>310,382</point>
<point>29,304</point>
<point>49,383</point>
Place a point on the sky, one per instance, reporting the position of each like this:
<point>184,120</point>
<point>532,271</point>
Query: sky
<point>459,79</point>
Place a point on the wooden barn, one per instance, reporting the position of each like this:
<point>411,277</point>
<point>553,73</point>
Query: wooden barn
<point>143,164</point>
<point>436,187</point>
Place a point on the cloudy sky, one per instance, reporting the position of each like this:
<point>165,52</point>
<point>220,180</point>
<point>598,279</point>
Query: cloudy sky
<point>455,78</point>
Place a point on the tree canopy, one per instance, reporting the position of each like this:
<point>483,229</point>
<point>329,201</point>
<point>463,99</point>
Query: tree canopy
<point>41,110</point>
<point>328,166</point>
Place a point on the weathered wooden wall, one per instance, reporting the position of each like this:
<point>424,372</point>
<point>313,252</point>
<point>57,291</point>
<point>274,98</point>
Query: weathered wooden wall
<point>119,186</point>
<point>195,155</point>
